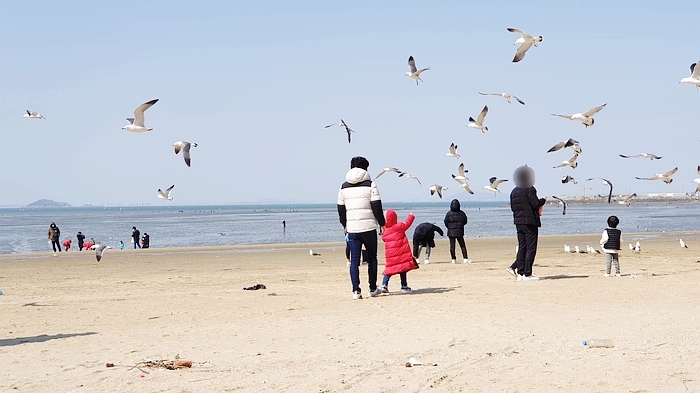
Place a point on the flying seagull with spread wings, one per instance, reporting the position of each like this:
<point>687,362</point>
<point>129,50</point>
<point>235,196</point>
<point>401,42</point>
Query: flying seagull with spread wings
<point>493,186</point>
<point>572,162</point>
<point>414,72</point>
<point>348,130</point>
<point>568,179</point>
<point>507,96</point>
<point>409,176</point>
<point>185,147</point>
<point>664,177</point>
<point>387,170</point>
<point>99,250</point>
<point>526,41</point>
<point>607,183</point>
<point>586,117</point>
<point>572,143</point>
<point>478,124</point>
<point>136,123</point>
<point>453,151</point>
<point>643,155</point>
<point>463,184</point>
<point>694,78</point>
<point>435,188</point>
<point>626,200</point>
<point>33,115</point>
<point>562,203</point>
<point>165,195</point>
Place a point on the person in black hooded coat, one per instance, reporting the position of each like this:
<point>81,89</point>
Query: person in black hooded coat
<point>526,216</point>
<point>455,220</point>
<point>424,236</point>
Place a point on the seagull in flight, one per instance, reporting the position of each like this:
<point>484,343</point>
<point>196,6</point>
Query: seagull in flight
<point>437,189</point>
<point>607,183</point>
<point>665,177</point>
<point>627,199</point>
<point>453,151</point>
<point>586,117</point>
<point>526,42</point>
<point>570,162</point>
<point>572,143</point>
<point>99,250</point>
<point>166,194</point>
<point>563,204</point>
<point>567,179</point>
<point>697,180</point>
<point>409,176</point>
<point>136,123</point>
<point>479,122</point>
<point>463,184</point>
<point>507,96</point>
<point>643,155</point>
<point>462,174</point>
<point>414,72</point>
<point>694,78</point>
<point>493,186</point>
<point>33,115</point>
<point>348,130</point>
<point>387,170</point>
<point>185,147</point>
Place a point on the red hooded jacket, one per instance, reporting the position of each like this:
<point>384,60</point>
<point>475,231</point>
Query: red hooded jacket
<point>399,258</point>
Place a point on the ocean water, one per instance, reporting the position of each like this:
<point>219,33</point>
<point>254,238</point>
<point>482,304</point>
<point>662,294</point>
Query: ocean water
<point>24,230</point>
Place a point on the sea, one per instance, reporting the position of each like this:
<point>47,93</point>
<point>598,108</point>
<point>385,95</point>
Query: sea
<point>24,230</point>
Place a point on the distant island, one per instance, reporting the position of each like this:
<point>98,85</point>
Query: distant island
<point>48,203</point>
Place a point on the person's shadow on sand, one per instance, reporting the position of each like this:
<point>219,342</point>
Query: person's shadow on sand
<point>561,277</point>
<point>9,342</point>
<point>421,291</point>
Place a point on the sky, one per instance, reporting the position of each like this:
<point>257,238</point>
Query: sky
<point>254,84</point>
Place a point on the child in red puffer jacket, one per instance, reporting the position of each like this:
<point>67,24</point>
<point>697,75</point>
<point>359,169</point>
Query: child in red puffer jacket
<point>397,250</point>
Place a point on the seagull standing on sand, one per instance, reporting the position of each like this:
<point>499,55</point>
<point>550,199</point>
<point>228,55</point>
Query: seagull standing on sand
<point>493,187</point>
<point>348,130</point>
<point>387,170</point>
<point>507,96</point>
<point>478,124</point>
<point>607,183</point>
<point>665,177</point>
<point>572,143</point>
<point>33,115</point>
<point>435,188</point>
<point>586,117</point>
<point>136,123</point>
<point>563,204</point>
<point>626,200</point>
<point>99,250</point>
<point>643,155</point>
<point>637,248</point>
<point>694,78</point>
<point>185,147</point>
<point>414,72</point>
<point>526,41</point>
<point>409,176</point>
<point>570,162</point>
<point>568,179</point>
<point>682,243</point>
<point>567,249</point>
<point>579,251</point>
<point>313,254</point>
<point>453,151</point>
<point>463,184</point>
<point>165,195</point>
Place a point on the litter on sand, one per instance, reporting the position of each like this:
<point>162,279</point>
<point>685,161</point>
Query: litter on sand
<point>255,287</point>
<point>413,362</point>
<point>166,364</point>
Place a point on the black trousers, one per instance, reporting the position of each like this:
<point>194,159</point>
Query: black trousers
<point>527,249</point>
<point>55,245</point>
<point>463,246</point>
<point>80,246</point>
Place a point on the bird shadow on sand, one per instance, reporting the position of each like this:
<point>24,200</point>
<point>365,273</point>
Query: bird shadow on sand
<point>421,291</point>
<point>561,277</point>
<point>9,342</point>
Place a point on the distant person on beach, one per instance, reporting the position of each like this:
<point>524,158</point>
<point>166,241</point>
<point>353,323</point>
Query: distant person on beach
<point>284,225</point>
<point>424,236</point>
<point>135,237</point>
<point>611,242</point>
<point>455,220</point>
<point>121,245</point>
<point>81,240</point>
<point>54,236</point>
<point>145,241</point>
<point>397,250</point>
<point>360,212</point>
<point>66,244</point>
<point>527,208</point>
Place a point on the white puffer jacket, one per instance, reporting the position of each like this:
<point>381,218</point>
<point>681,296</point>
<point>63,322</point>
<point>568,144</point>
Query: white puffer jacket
<point>359,204</point>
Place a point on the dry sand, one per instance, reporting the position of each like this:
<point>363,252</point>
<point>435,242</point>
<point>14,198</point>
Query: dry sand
<point>65,317</point>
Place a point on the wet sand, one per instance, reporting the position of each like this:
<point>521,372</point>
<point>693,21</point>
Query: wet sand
<point>65,317</point>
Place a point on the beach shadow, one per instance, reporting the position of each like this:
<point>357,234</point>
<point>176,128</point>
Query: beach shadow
<point>36,304</point>
<point>9,342</point>
<point>561,277</point>
<point>429,290</point>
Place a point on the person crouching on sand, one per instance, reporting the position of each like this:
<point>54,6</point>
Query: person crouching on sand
<point>66,244</point>
<point>397,250</point>
<point>424,236</point>
<point>526,207</point>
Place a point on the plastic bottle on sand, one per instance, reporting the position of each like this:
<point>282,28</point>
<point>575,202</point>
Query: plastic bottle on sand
<point>598,343</point>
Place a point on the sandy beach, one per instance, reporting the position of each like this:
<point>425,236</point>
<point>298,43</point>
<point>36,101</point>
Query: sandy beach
<point>66,317</point>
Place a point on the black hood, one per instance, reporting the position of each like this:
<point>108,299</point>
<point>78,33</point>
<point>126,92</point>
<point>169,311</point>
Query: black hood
<point>454,205</point>
<point>524,177</point>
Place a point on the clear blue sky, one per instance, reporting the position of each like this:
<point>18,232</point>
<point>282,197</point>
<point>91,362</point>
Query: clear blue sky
<point>255,82</point>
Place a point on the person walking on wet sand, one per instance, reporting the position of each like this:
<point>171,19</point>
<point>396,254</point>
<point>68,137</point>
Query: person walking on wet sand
<point>135,237</point>
<point>455,220</point>
<point>81,240</point>
<point>527,208</point>
<point>54,236</point>
<point>360,212</point>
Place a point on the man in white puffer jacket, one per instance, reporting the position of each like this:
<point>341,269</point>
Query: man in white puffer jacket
<point>360,211</point>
